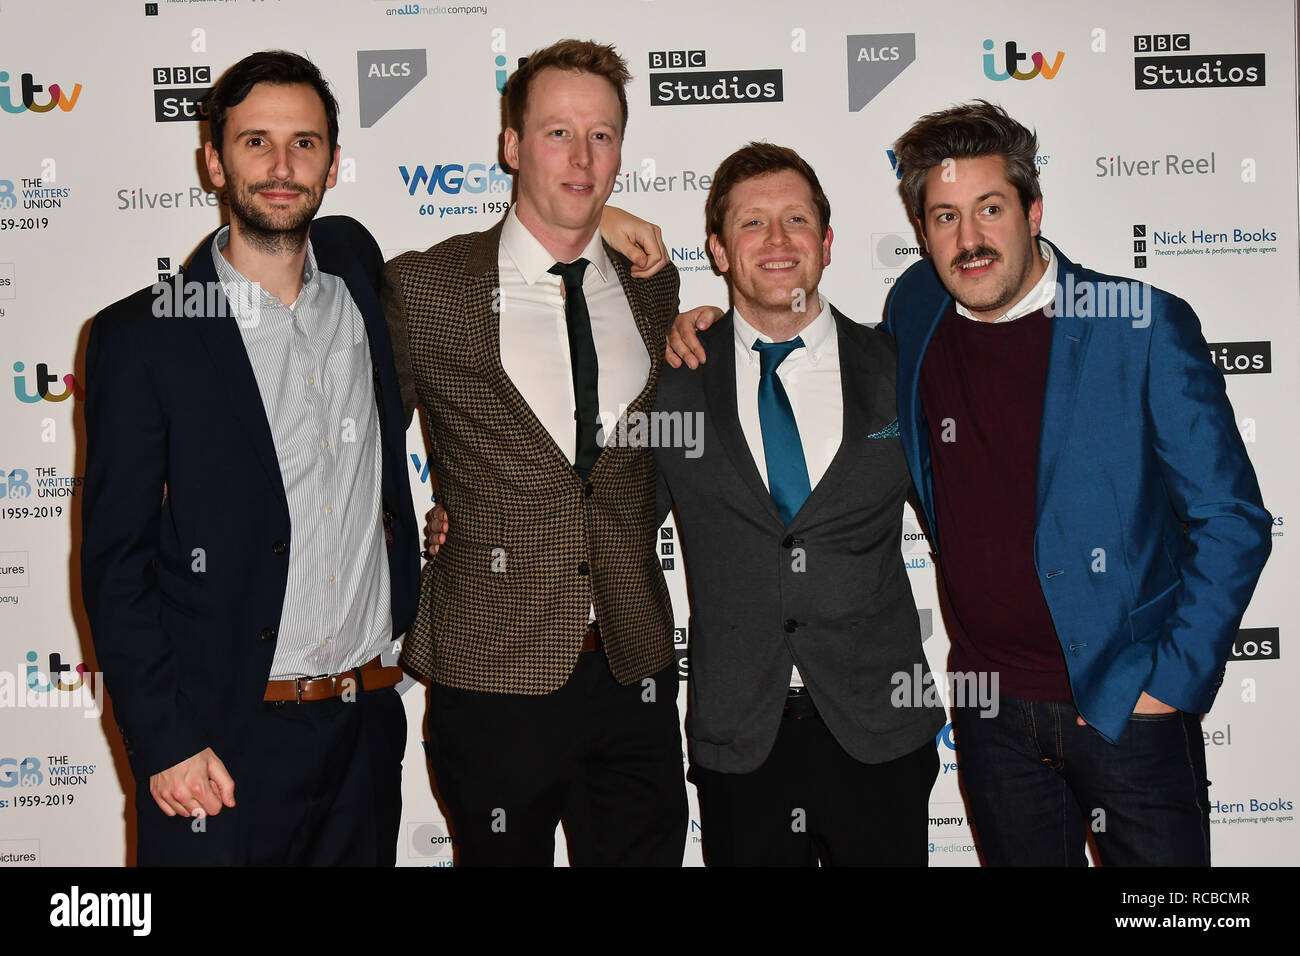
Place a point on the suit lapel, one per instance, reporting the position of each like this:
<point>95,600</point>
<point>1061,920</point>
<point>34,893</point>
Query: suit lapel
<point>1069,345</point>
<point>720,393</point>
<point>868,402</point>
<point>481,306</point>
<point>224,344</point>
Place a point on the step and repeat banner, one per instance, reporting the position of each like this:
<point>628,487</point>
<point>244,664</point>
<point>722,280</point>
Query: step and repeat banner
<point>1167,153</point>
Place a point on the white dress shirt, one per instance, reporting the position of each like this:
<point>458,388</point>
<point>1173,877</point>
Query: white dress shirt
<point>535,336</point>
<point>811,379</point>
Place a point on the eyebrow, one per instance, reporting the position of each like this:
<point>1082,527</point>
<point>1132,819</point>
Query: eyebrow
<point>302,133</point>
<point>988,195</point>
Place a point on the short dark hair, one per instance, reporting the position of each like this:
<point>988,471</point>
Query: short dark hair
<point>757,159</point>
<point>584,56</point>
<point>279,67</point>
<point>978,128</point>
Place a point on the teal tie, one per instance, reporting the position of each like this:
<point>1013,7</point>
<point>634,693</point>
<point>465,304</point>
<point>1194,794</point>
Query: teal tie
<point>787,472</point>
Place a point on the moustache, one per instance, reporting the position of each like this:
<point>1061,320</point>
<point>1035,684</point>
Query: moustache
<point>275,187</point>
<point>982,252</point>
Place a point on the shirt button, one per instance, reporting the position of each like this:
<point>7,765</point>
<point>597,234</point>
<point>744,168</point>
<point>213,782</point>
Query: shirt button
<point>329,510</point>
<point>268,634</point>
<point>788,542</point>
<point>279,547</point>
<point>791,625</point>
<point>311,379</point>
<point>331,579</point>
<point>583,567</point>
<point>587,489</point>
<point>325,443</point>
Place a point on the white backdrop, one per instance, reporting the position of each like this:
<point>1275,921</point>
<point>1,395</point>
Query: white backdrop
<point>101,193</point>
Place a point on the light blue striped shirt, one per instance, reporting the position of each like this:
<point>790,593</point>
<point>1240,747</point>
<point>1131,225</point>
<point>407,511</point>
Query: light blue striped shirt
<point>312,363</point>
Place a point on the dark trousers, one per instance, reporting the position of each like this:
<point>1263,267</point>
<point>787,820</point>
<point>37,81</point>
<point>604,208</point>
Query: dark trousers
<point>811,801</point>
<point>605,759</point>
<point>1036,783</point>
<point>316,784</point>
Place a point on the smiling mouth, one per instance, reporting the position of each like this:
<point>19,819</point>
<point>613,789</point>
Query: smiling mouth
<point>975,264</point>
<point>782,264</point>
<point>579,187</point>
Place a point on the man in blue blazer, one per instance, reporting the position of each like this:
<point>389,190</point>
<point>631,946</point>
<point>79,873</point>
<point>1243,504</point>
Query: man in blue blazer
<point>1097,524</point>
<point>249,544</point>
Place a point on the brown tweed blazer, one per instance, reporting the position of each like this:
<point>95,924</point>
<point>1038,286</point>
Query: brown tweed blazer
<point>504,603</point>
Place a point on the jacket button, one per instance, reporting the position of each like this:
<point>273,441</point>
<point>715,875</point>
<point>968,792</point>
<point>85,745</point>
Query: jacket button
<point>279,547</point>
<point>268,633</point>
<point>587,489</point>
<point>583,568</point>
<point>791,625</point>
<point>788,542</point>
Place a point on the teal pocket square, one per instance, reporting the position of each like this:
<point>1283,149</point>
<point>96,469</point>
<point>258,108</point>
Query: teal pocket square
<point>889,431</point>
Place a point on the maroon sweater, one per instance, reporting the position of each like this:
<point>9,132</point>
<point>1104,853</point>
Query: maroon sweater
<point>982,389</point>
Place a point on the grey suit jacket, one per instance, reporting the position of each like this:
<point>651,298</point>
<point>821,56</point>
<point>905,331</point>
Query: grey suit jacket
<point>829,593</point>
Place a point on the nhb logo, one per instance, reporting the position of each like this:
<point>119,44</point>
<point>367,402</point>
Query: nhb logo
<point>454,178</point>
<point>20,773</point>
<point>384,77</point>
<point>30,88</point>
<point>1013,59</point>
<point>875,60</point>
<point>174,99</point>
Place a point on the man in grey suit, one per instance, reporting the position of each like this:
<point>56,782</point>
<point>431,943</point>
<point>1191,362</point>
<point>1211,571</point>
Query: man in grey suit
<point>804,746</point>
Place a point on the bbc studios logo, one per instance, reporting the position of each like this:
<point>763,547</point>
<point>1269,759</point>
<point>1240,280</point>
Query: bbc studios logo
<point>689,83</point>
<point>1164,61</point>
<point>175,97</point>
<point>1242,358</point>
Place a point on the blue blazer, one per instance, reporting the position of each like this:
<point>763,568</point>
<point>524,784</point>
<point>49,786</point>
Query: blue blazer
<point>1149,532</point>
<point>184,589</point>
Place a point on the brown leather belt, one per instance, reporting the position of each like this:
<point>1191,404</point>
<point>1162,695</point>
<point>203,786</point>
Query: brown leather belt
<point>591,640</point>
<point>309,689</point>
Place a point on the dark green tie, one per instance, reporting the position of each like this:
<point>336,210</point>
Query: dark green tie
<point>586,371</point>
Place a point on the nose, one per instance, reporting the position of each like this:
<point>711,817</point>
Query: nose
<point>776,233</point>
<point>969,234</point>
<point>281,168</point>
<point>580,152</point>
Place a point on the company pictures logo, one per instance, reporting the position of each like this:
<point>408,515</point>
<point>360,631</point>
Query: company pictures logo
<point>874,61</point>
<point>1242,358</point>
<point>384,77</point>
<point>682,87</point>
<point>461,180</point>
<point>175,100</point>
<point>1012,58</point>
<point>1173,67</point>
<point>56,95</point>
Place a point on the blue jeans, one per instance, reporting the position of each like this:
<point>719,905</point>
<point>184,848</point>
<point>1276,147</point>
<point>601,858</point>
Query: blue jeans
<point>1036,782</point>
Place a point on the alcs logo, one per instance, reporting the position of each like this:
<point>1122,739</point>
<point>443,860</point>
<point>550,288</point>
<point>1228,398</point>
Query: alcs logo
<point>1013,58</point>
<point>43,382</point>
<point>24,773</point>
<point>29,91</point>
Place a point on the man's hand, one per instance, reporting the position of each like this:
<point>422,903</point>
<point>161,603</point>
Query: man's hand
<point>1146,705</point>
<point>199,783</point>
<point>642,242</point>
<point>683,344</point>
<point>436,526</point>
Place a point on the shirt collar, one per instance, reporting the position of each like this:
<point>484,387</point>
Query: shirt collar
<point>530,256</point>
<point>816,335</point>
<point>1043,292</point>
<point>228,273</point>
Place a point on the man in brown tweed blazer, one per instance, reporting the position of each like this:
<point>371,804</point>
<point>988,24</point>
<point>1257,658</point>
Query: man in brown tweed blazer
<point>544,621</point>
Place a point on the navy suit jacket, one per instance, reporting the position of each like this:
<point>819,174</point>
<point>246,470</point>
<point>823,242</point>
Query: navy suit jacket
<point>185,524</point>
<point>1149,529</point>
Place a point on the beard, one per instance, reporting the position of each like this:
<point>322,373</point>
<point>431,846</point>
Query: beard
<point>279,232</point>
<point>1002,296</point>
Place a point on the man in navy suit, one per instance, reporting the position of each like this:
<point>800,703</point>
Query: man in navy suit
<point>249,545</point>
<point>1098,526</point>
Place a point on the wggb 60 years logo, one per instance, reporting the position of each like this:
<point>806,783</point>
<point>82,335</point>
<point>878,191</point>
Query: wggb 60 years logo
<point>487,185</point>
